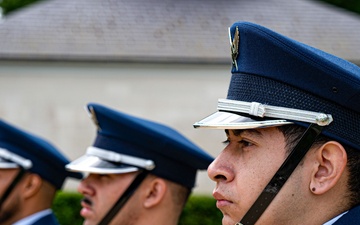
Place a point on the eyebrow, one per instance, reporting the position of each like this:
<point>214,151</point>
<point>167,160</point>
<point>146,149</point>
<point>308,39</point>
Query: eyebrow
<point>249,131</point>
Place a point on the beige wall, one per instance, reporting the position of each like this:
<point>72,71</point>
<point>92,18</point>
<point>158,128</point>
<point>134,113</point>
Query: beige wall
<point>49,98</point>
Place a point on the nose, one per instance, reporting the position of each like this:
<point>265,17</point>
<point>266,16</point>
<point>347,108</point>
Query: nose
<point>220,170</point>
<point>85,187</point>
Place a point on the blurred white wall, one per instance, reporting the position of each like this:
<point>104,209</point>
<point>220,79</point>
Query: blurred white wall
<point>48,99</point>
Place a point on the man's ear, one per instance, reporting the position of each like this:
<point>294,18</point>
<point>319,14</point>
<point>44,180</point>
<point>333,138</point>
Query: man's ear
<point>32,184</point>
<point>331,159</point>
<point>155,192</point>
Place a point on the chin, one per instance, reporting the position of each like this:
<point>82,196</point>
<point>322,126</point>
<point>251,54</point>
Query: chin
<point>89,222</point>
<point>226,220</point>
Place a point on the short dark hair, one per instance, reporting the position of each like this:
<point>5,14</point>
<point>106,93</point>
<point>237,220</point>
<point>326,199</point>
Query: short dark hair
<point>179,196</point>
<point>292,135</point>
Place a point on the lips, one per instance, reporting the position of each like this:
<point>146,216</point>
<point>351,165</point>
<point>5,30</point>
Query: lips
<point>221,201</point>
<point>86,203</point>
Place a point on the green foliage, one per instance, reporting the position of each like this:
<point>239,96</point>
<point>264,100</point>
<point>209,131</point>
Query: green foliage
<point>67,207</point>
<point>9,6</point>
<point>351,5</point>
<point>12,5</point>
<point>199,210</point>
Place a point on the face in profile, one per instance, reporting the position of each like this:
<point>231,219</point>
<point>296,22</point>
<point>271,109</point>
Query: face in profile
<point>100,192</point>
<point>243,169</point>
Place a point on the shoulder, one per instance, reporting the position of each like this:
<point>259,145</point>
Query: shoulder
<point>49,219</point>
<point>352,217</point>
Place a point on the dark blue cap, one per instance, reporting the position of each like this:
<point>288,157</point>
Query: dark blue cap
<point>125,143</point>
<point>20,148</point>
<point>273,70</point>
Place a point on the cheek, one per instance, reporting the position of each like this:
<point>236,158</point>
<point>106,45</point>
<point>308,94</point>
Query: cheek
<point>262,161</point>
<point>256,174</point>
<point>2,187</point>
<point>272,156</point>
<point>114,189</point>
<point>13,200</point>
<point>106,196</point>
<point>256,170</point>
<point>113,192</point>
<point>5,181</point>
<point>268,163</point>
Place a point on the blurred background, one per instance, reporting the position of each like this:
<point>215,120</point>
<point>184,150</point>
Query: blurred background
<point>167,61</point>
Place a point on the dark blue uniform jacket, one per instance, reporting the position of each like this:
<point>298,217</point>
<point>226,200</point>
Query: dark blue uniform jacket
<point>350,218</point>
<point>49,219</point>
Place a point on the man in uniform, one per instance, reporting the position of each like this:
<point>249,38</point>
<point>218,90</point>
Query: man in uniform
<point>140,172</point>
<point>31,171</point>
<point>292,125</point>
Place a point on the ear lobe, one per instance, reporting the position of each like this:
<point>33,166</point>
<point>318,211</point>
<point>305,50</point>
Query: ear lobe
<point>331,159</point>
<point>32,185</point>
<point>155,192</point>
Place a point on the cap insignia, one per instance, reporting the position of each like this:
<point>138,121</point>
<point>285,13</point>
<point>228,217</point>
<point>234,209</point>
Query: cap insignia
<point>93,118</point>
<point>234,43</point>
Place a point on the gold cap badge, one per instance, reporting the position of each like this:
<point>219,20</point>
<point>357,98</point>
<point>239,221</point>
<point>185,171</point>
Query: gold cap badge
<point>93,118</point>
<point>234,46</point>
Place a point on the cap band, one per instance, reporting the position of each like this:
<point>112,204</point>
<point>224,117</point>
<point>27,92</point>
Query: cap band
<point>121,158</point>
<point>25,163</point>
<point>261,110</point>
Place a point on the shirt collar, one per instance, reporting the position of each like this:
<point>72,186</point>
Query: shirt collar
<point>34,217</point>
<point>333,220</point>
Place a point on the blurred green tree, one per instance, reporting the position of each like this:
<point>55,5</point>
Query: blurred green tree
<point>351,5</point>
<point>9,6</point>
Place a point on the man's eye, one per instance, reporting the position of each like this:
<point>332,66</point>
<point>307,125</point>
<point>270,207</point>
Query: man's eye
<point>103,175</point>
<point>245,143</point>
<point>226,141</point>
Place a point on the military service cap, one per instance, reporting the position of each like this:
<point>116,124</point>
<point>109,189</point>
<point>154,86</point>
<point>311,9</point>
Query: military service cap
<point>125,143</point>
<point>277,80</point>
<point>19,148</point>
